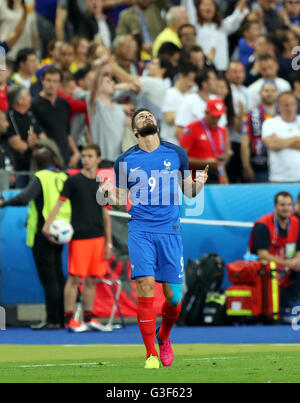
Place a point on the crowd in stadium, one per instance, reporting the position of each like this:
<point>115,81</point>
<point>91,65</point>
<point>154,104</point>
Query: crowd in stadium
<point>169,56</point>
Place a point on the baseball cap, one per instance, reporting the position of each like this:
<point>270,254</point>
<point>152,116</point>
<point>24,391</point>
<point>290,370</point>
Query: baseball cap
<point>215,107</point>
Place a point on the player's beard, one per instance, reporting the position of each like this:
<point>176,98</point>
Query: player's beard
<point>147,130</point>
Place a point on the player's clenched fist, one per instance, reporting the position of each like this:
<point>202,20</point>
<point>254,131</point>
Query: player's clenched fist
<point>105,191</point>
<point>202,176</point>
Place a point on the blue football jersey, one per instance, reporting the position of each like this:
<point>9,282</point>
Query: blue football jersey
<point>152,179</point>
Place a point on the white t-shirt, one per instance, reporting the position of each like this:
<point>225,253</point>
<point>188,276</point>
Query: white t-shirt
<point>192,109</point>
<point>108,125</point>
<point>284,165</point>
<point>173,100</point>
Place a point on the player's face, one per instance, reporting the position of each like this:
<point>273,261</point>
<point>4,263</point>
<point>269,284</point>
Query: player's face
<point>284,207</point>
<point>90,159</point>
<point>145,123</point>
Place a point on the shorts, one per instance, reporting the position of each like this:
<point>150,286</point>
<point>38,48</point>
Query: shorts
<point>85,257</point>
<point>157,255</point>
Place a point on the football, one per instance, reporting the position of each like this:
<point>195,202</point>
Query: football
<point>62,231</point>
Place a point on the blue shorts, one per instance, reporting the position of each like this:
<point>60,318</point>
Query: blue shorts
<point>157,255</point>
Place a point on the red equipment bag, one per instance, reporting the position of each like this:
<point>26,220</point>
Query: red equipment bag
<point>243,300</point>
<point>242,272</point>
<point>256,290</point>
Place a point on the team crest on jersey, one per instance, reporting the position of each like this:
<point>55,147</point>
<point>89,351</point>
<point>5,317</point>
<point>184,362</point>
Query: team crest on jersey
<point>167,165</point>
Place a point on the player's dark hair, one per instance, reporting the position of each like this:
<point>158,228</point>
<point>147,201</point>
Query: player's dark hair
<point>283,194</point>
<point>94,147</point>
<point>135,113</point>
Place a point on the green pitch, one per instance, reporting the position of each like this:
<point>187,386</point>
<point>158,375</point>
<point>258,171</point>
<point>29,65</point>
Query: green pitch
<point>195,363</point>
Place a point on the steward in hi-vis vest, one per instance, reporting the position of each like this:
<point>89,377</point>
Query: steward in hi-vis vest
<point>41,194</point>
<point>52,183</point>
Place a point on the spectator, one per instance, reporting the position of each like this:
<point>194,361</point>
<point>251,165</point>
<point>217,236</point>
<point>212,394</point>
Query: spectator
<point>81,47</point>
<point>53,54</point>
<point>170,51</point>
<point>187,35</point>
<point>266,44</point>
<point>212,32</point>
<point>66,57</point>
<point>53,115</point>
<point>205,142</point>
<point>23,131</point>
<point>295,80</point>
<point>42,193</point>
<point>174,98</point>
<point>91,242</point>
<point>10,16</point>
<point>175,18</point>
<point>193,105</point>
<point>282,138</point>
<point>90,22</point>
<point>46,14</point>
<point>144,21</point>
<point>246,46</point>
<point>288,41</point>
<point>197,57</point>
<point>297,207</point>
<point>63,26</point>
<point>3,90</point>
<point>8,42</point>
<point>126,53</point>
<point>253,150</point>
<point>272,21</point>
<point>275,238</point>
<point>27,64</point>
<point>224,92</point>
<point>6,157</point>
<point>269,68</point>
<point>242,103</point>
<point>154,87</point>
<point>290,14</point>
<point>66,91</point>
<point>80,129</point>
<point>108,119</point>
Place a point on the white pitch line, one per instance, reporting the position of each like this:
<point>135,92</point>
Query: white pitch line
<point>60,365</point>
